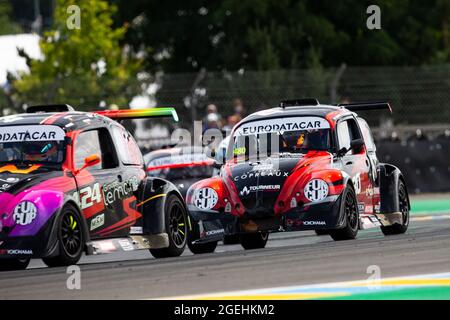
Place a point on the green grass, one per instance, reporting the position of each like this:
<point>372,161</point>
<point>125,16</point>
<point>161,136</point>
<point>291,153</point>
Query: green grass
<point>430,206</point>
<point>417,293</point>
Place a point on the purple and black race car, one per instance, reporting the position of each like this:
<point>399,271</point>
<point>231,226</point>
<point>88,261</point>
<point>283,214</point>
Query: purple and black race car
<point>74,182</point>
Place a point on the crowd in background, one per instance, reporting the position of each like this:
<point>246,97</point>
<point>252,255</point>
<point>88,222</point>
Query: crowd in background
<point>214,119</point>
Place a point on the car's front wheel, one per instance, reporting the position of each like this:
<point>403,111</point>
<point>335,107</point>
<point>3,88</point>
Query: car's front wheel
<point>176,228</point>
<point>70,238</point>
<point>250,241</point>
<point>404,209</point>
<point>14,264</point>
<point>349,208</point>
<point>200,248</point>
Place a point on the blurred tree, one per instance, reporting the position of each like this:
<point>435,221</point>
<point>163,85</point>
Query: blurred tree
<point>85,67</point>
<point>272,34</point>
<point>7,26</point>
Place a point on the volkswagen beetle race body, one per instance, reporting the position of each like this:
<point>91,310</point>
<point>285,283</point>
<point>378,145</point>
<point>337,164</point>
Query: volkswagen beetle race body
<point>74,182</point>
<point>302,166</point>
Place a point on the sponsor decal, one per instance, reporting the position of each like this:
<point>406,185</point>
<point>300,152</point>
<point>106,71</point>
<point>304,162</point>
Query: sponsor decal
<point>272,187</point>
<point>263,167</point>
<point>19,252</point>
<point>205,198</point>
<point>262,173</point>
<point>293,202</point>
<point>239,151</point>
<point>126,245</point>
<point>369,192</point>
<point>106,246</point>
<point>119,190</point>
<point>357,183</point>
<point>214,232</point>
<point>25,213</point>
<point>136,230</point>
<point>314,223</point>
<point>5,187</point>
<point>98,221</point>
<point>377,208</point>
<point>316,190</point>
<point>7,183</point>
<point>31,133</point>
<point>361,207</point>
<point>282,124</point>
<point>10,180</point>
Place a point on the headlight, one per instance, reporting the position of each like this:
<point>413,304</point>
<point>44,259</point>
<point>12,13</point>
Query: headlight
<point>316,190</point>
<point>205,198</point>
<point>25,213</point>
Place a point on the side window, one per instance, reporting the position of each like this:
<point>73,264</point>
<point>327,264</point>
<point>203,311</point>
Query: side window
<point>343,133</point>
<point>95,142</point>
<point>353,128</point>
<point>367,135</point>
<point>127,148</point>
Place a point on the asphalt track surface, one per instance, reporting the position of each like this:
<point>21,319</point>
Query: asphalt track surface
<point>289,259</point>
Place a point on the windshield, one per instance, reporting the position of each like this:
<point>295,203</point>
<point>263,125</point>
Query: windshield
<point>40,144</point>
<point>292,135</point>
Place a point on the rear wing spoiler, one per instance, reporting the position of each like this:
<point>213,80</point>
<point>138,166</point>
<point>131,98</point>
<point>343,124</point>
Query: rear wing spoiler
<point>366,106</point>
<point>163,112</point>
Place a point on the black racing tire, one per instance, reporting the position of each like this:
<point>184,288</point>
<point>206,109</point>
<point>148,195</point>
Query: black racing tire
<point>176,228</point>
<point>70,237</point>
<point>200,248</point>
<point>404,209</point>
<point>14,264</point>
<point>349,208</point>
<point>231,239</point>
<point>322,232</point>
<point>250,241</point>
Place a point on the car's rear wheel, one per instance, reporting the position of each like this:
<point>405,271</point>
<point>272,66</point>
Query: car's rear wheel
<point>404,209</point>
<point>199,248</point>
<point>14,264</point>
<point>70,239</point>
<point>349,208</point>
<point>176,228</point>
<point>250,241</point>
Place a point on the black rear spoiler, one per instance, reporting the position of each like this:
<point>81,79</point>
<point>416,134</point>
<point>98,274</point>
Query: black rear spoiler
<point>366,106</point>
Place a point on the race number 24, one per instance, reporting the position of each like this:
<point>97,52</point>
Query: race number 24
<point>88,196</point>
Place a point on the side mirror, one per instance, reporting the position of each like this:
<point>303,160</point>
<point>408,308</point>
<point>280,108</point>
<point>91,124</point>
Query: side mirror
<point>89,161</point>
<point>342,152</point>
<point>357,144</point>
<point>217,165</point>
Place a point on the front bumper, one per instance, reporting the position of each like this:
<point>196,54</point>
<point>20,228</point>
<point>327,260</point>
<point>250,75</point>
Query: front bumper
<point>40,245</point>
<point>213,225</point>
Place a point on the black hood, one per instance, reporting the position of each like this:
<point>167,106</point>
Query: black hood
<point>14,183</point>
<point>259,183</point>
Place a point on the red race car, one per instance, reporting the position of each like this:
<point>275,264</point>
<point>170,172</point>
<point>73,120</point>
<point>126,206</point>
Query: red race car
<point>301,166</point>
